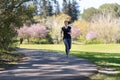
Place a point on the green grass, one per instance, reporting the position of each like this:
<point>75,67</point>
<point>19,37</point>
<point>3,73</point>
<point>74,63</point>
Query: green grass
<point>107,48</point>
<point>103,55</point>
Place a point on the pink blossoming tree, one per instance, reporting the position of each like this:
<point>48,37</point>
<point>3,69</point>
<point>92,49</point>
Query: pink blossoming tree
<point>34,31</point>
<point>75,32</point>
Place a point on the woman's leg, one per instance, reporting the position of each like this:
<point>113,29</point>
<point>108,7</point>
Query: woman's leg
<point>66,46</point>
<point>69,43</point>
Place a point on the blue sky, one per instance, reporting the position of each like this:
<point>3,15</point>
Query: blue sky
<point>84,4</point>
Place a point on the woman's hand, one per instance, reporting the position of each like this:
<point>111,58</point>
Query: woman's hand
<point>69,33</point>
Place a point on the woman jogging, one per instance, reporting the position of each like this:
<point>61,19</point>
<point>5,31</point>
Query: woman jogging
<point>66,31</point>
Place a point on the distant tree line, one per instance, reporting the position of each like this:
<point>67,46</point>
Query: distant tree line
<point>47,8</point>
<point>105,9</point>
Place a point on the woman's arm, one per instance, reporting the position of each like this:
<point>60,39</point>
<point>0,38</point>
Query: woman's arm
<point>69,31</point>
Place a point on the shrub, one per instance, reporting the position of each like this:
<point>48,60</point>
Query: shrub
<point>43,41</point>
<point>75,32</point>
<point>91,35</point>
<point>94,42</point>
<point>106,27</point>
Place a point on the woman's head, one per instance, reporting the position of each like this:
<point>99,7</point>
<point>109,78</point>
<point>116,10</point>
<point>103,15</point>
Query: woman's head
<point>66,22</point>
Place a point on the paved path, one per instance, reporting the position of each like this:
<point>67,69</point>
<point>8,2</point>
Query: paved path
<point>43,65</point>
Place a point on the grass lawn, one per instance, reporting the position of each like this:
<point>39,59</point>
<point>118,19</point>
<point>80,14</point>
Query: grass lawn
<point>107,48</point>
<point>103,55</point>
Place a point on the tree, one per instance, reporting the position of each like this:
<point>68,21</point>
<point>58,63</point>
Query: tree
<point>104,9</point>
<point>24,32</point>
<point>73,12</point>
<point>89,13</point>
<point>38,31</point>
<point>65,7</point>
<point>35,31</point>
<point>71,8</point>
<point>114,9</point>
<point>82,25</point>
<point>12,13</point>
<point>45,8</point>
<point>50,9</point>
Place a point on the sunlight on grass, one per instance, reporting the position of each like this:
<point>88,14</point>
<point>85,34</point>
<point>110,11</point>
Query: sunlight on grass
<point>43,47</point>
<point>108,48</point>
